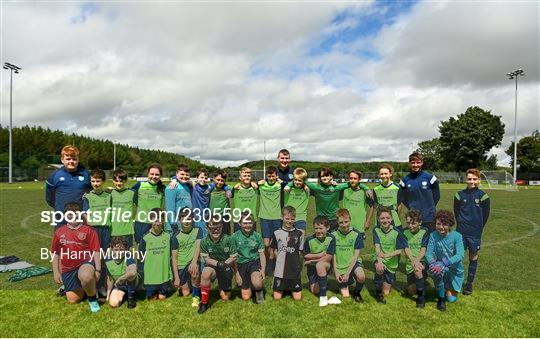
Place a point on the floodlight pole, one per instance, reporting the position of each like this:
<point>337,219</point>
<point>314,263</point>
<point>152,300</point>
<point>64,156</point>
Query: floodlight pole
<point>264,159</point>
<point>11,68</point>
<point>114,155</point>
<point>514,75</point>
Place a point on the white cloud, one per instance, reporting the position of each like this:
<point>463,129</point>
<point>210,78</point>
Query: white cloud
<point>215,80</point>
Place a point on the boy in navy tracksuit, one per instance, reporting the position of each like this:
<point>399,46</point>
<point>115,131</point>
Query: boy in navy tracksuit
<point>420,190</point>
<point>471,208</point>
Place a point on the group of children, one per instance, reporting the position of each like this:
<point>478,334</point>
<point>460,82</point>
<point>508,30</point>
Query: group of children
<point>183,238</point>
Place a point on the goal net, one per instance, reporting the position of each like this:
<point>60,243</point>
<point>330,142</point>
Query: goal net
<point>497,180</point>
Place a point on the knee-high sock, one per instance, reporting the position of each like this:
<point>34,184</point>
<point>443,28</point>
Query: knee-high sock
<point>205,294</point>
<point>379,279</point>
<point>322,286</point>
<point>359,286</point>
<point>473,265</point>
<point>420,285</point>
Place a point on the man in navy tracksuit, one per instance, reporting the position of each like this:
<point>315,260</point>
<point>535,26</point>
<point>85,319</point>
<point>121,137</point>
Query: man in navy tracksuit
<point>420,190</point>
<point>471,208</point>
<point>68,183</point>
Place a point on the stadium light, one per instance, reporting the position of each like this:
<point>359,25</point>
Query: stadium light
<point>264,159</point>
<point>515,75</point>
<point>12,68</point>
<point>114,155</point>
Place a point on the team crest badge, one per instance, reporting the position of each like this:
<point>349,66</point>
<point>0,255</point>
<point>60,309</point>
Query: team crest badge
<point>81,178</point>
<point>226,249</point>
<point>61,178</point>
<point>424,183</point>
<point>477,201</point>
<point>81,236</point>
<point>290,176</point>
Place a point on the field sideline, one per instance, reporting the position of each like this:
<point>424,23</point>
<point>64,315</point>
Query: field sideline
<point>506,300</point>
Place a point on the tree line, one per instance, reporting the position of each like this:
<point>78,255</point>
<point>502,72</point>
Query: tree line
<point>36,146</point>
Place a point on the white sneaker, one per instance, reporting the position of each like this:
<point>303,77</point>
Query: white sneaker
<point>323,301</point>
<point>334,301</point>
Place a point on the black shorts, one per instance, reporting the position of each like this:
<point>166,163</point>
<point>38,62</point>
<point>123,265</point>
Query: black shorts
<point>411,278</point>
<point>352,276</point>
<point>152,290</point>
<point>245,270</point>
<point>313,277</point>
<point>224,277</point>
<point>282,285</point>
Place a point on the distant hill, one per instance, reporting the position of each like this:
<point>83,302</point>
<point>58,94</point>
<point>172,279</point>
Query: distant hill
<point>36,146</point>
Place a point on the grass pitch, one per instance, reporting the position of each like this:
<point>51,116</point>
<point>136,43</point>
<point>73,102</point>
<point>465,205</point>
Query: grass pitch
<point>506,299</point>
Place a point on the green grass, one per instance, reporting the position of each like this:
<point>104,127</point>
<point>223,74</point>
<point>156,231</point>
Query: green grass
<point>505,302</point>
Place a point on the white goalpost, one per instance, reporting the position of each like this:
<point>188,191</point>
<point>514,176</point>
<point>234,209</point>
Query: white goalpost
<point>497,180</point>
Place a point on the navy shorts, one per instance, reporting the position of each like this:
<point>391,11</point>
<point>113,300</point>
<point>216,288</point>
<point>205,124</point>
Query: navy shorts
<point>71,279</point>
<point>300,224</point>
<point>245,270</point>
<point>128,285</point>
<point>352,276</point>
<point>185,276</point>
<point>141,228</point>
<point>281,285</point>
<point>151,290</point>
<point>313,277</point>
<point>471,243</point>
<point>387,277</point>
<point>224,277</point>
<point>104,236</point>
<point>268,227</point>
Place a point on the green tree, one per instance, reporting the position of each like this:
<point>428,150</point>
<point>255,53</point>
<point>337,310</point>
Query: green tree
<point>432,152</point>
<point>467,139</point>
<point>528,153</point>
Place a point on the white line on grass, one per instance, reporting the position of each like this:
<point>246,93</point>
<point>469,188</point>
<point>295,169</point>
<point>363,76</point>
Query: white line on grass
<point>24,224</point>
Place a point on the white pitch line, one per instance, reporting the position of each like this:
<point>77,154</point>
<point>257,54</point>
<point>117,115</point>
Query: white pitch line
<point>24,224</point>
<point>532,233</point>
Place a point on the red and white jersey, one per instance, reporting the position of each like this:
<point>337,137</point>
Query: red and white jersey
<point>74,246</point>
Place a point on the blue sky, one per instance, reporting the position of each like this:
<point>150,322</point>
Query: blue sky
<point>349,33</point>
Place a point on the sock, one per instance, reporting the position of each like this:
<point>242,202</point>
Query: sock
<point>378,292</point>
<point>131,293</point>
<point>359,287</point>
<point>473,265</point>
<point>322,286</point>
<point>379,281</point>
<point>92,298</point>
<point>420,284</point>
<point>441,293</point>
<point>196,291</point>
<point>205,294</point>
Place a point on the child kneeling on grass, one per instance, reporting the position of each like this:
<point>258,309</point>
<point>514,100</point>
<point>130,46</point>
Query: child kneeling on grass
<point>189,249</point>
<point>219,253</point>
<point>121,274</point>
<point>417,241</point>
<point>389,243</point>
<point>288,243</point>
<point>445,257</point>
<point>159,248</point>
<point>251,259</point>
<point>347,262</point>
<point>319,251</point>
<point>81,267</point>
